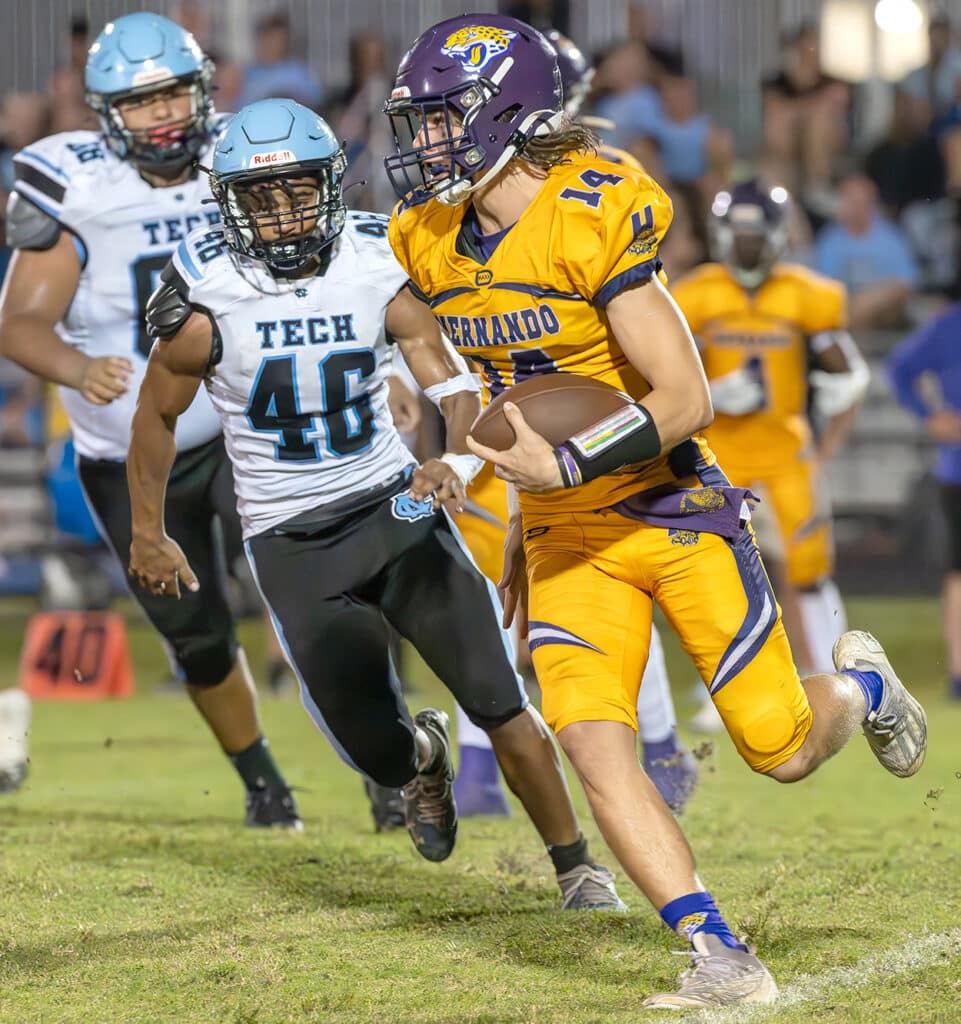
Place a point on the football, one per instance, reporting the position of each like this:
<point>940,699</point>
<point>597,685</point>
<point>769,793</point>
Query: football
<point>556,405</point>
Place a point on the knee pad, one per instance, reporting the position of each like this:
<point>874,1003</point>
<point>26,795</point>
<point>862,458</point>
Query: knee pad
<point>490,722</point>
<point>205,660</point>
<point>770,731</point>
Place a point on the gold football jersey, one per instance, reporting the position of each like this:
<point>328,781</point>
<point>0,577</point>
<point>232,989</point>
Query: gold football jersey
<point>537,304</point>
<point>766,332</point>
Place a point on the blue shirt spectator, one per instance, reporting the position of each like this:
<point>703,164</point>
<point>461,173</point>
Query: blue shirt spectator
<point>859,260</point>
<point>934,352</point>
<point>938,82</point>
<point>275,71</point>
<point>636,114</point>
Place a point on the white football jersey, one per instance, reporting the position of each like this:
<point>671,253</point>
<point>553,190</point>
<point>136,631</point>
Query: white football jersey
<point>125,232</point>
<point>301,380</point>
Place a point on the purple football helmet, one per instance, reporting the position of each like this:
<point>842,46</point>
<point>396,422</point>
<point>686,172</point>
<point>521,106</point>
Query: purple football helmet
<point>576,72</point>
<point>469,94</point>
<point>749,229</point>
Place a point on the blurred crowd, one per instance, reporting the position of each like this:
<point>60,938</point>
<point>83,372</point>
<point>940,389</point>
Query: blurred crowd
<point>881,215</point>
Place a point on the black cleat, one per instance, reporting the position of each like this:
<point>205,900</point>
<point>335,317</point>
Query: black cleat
<point>429,807</point>
<point>386,805</point>
<point>272,808</point>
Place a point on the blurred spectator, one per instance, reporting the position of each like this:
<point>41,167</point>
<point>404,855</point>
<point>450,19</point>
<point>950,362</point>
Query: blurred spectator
<point>24,118</point>
<point>907,165</point>
<point>805,120</point>
<point>625,95</point>
<point>542,14</point>
<point>693,150</point>
<point>275,71</point>
<point>869,254</point>
<point>938,82</point>
<point>359,116</point>
<point>932,356</point>
<point>21,408</point>
<point>65,88</point>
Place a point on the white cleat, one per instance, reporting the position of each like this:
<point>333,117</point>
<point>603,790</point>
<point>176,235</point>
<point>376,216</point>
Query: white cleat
<point>898,731</point>
<point>589,887</point>
<point>718,976</point>
<point>706,720</point>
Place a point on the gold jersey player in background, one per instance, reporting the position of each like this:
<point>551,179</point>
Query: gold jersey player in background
<point>539,256</point>
<point>776,350</point>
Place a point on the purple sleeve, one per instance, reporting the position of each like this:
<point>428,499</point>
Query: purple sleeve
<point>925,351</point>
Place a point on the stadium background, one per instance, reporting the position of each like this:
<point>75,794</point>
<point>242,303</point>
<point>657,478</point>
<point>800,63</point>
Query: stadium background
<point>128,889</point>
<point>889,534</point>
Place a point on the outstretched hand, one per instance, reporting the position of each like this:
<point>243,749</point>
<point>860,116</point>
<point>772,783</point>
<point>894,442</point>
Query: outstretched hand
<point>438,480</point>
<point>160,566</point>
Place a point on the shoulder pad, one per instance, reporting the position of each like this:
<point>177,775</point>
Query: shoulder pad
<point>373,225</point>
<point>29,227</point>
<point>169,308</point>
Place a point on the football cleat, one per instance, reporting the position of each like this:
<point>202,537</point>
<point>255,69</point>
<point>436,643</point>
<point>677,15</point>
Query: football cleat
<point>429,807</point>
<point>272,808</point>
<point>477,788</point>
<point>589,887</point>
<point>386,806</point>
<point>898,731</point>
<point>718,976</point>
<point>674,775</point>
<point>707,720</point>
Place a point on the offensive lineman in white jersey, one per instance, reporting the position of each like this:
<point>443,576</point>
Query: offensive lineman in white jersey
<point>94,219</point>
<point>285,315</point>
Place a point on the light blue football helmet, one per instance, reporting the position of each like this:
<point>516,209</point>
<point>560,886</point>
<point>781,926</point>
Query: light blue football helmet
<point>140,54</point>
<point>277,176</point>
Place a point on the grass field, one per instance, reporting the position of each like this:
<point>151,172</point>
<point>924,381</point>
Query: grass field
<point>130,893</point>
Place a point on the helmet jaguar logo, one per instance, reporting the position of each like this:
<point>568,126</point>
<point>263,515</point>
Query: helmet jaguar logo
<point>476,46</point>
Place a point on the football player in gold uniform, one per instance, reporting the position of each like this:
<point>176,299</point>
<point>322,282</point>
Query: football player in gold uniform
<point>539,256</point>
<point>774,341</point>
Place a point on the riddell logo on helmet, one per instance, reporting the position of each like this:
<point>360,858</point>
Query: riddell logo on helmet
<point>153,75</point>
<point>278,156</point>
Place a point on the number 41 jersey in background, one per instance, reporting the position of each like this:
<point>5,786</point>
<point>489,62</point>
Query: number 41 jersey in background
<point>125,231</point>
<point>299,374</point>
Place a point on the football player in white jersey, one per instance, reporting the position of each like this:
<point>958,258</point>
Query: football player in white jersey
<point>93,219</point>
<point>285,314</point>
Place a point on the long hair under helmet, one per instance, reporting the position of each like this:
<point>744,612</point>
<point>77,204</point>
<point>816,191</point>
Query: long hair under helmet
<point>496,84</point>
<point>140,54</point>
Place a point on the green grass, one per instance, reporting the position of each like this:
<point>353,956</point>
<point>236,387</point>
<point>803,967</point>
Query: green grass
<point>130,893</point>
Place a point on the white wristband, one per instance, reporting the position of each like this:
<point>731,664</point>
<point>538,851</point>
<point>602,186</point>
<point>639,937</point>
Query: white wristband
<point>465,466</point>
<point>452,386</point>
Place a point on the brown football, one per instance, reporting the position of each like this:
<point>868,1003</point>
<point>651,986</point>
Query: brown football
<point>556,405</point>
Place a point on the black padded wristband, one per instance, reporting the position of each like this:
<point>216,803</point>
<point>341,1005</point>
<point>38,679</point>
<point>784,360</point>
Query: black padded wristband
<point>625,437</point>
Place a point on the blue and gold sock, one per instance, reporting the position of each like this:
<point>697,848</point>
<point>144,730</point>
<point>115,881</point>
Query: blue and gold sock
<point>695,913</point>
<point>872,686</point>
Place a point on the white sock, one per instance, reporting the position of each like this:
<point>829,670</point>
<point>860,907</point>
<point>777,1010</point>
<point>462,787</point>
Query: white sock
<point>15,711</point>
<point>656,719</point>
<point>469,735</point>
<point>822,612</point>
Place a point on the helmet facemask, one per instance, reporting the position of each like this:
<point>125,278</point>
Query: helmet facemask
<point>746,242</point>
<point>166,148</point>
<point>444,166</point>
<point>287,219</point>
<point>440,168</point>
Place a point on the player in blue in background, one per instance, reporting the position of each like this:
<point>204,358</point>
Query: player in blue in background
<point>932,356</point>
